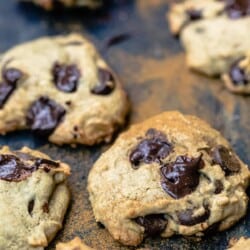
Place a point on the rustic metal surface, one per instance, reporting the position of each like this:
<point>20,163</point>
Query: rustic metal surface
<point>152,68</point>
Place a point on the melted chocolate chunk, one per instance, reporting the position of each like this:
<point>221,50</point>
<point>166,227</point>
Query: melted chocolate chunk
<point>237,8</point>
<point>238,75</point>
<point>154,224</point>
<point>12,169</point>
<point>40,161</point>
<point>106,83</point>
<point>186,217</point>
<point>45,208</point>
<point>10,78</point>
<point>31,206</point>
<point>226,159</point>
<point>218,187</point>
<point>152,149</point>
<point>44,115</point>
<point>194,14</point>
<point>66,77</point>
<point>181,177</point>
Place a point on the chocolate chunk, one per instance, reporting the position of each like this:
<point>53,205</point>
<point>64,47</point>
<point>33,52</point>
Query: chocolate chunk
<point>10,76</point>
<point>31,206</point>
<point>214,228</point>
<point>66,77</point>
<point>41,161</point>
<point>186,217</point>
<point>237,8</point>
<point>238,75</point>
<point>218,187</point>
<point>152,149</point>
<point>44,115</point>
<point>12,169</point>
<point>226,159</point>
<point>181,177</point>
<point>194,14</point>
<point>45,208</point>
<point>106,83</point>
<point>154,224</point>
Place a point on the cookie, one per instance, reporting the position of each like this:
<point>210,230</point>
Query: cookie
<point>60,88</point>
<point>186,12</point>
<point>34,198</point>
<point>237,79</point>
<point>182,14</point>
<point>212,45</point>
<point>241,244</point>
<point>75,244</point>
<point>171,174</point>
<point>51,4</point>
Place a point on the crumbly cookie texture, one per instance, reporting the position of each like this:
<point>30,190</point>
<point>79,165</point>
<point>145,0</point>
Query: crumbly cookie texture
<point>171,174</point>
<point>51,4</point>
<point>237,79</point>
<point>186,12</point>
<point>241,244</point>
<point>34,198</point>
<point>212,50</point>
<point>75,244</point>
<point>61,88</point>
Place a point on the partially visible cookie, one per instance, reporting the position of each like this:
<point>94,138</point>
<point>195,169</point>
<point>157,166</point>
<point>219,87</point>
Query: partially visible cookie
<point>212,45</point>
<point>51,4</point>
<point>241,244</point>
<point>60,87</point>
<point>75,244</point>
<point>237,79</point>
<point>171,174</point>
<point>34,198</point>
<point>182,14</point>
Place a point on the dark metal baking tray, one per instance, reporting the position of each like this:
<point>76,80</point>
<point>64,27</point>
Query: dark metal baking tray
<point>151,65</point>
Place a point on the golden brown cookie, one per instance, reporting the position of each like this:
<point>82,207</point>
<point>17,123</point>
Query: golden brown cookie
<point>60,87</point>
<point>34,198</point>
<point>171,174</point>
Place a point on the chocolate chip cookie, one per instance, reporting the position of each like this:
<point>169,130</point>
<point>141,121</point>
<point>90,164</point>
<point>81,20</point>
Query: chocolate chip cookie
<point>241,244</point>
<point>171,174</point>
<point>34,198</point>
<point>51,4</point>
<point>60,88</point>
<point>237,79</point>
<point>75,244</point>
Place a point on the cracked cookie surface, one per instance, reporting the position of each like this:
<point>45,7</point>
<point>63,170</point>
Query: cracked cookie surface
<point>171,174</point>
<point>60,87</point>
<point>35,198</point>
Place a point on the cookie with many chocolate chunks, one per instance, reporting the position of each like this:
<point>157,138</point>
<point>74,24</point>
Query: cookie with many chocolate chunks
<point>54,4</point>
<point>34,197</point>
<point>60,87</point>
<point>171,174</point>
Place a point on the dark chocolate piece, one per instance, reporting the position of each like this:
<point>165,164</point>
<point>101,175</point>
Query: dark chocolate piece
<point>237,8</point>
<point>45,208</point>
<point>218,187</point>
<point>31,206</point>
<point>226,159</point>
<point>153,148</point>
<point>44,115</point>
<point>66,77</point>
<point>181,177</point>
<point>238,75</point>
<point>106,83</point>
<point>194,14</point>
<point>186,217</point>
<point>154,224</point>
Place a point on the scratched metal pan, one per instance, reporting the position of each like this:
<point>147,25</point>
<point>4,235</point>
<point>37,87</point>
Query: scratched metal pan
<point>151,65</point>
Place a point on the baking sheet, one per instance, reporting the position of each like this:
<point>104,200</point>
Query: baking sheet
<point>151,64</point>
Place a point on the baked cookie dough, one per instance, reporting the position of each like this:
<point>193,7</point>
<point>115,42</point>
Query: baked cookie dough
<point>241,244</point>
<point>51,4</point>
<point>212,45</point>
<point>171,174</point>
<point>75,244</point>
<point>34,198</point>
<point>61,88</point>
<point>237,79</point>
